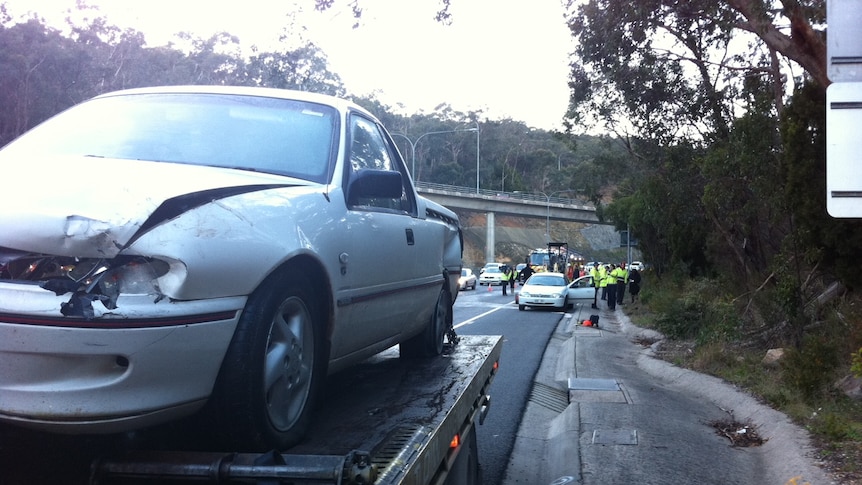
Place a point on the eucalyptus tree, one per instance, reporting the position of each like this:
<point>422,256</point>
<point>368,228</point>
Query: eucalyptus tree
<point>39,69</point>
<point>305,68</point>
<point>664,75</point>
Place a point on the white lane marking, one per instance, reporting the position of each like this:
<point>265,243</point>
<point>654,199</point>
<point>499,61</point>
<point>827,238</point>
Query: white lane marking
<point>471,320</point>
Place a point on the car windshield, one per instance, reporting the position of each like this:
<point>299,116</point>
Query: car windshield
<point>279,136</point>
<point>493,269</point>
<point>464,272</point>
<point>546,280</point>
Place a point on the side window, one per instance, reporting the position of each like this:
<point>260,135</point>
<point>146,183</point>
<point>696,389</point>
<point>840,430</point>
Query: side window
<point>369,151</point>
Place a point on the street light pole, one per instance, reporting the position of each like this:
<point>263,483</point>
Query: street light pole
<point>548,217</point>
<point>477,157</point>
<point>414,143</point>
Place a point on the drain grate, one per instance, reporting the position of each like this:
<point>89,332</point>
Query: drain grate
<point>615,437</point>
<point>584,384</point>
<point>550,397</point>
<point>596,390</point>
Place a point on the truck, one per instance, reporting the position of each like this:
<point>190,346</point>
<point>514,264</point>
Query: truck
<point>552,258</point>
<point>555,257</point>
<point>387,420</point>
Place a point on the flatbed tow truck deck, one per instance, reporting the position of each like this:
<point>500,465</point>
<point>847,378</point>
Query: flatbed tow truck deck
<point>387,420</point>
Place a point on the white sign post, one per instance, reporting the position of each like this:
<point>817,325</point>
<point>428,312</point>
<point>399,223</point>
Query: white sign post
<point>844,109</point>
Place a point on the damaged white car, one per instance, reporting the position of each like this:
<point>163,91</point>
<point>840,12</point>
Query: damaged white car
<point>169,251</point>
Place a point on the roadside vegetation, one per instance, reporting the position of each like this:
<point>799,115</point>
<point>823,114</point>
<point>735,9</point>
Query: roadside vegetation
<point>721,108</point>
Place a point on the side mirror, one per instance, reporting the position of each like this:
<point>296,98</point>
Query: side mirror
<point>370,183</point>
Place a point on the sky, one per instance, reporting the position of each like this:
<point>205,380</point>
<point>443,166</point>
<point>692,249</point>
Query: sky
<point>507,58</point>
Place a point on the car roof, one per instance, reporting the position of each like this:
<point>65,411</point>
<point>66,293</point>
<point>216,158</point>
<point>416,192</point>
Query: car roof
<point>325,99</point>
<point>547,273</point>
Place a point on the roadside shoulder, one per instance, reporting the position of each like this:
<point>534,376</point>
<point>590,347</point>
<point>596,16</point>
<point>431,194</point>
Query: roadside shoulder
<point>788,451</point>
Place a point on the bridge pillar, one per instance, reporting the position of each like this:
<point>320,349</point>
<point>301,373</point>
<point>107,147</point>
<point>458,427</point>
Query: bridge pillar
<point>489,229</point>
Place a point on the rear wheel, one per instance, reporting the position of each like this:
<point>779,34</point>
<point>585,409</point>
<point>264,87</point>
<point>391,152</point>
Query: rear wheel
<point>273,369</point>
<point>430,342</point>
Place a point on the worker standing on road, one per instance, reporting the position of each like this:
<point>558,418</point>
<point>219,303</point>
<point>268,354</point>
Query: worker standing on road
<point>504,278</point>
<point>611,286</point>
<point>603,281</point>
<point>594,272</point>
<point>526,273</point>
<point>622,281</point>
<point>635,284</point>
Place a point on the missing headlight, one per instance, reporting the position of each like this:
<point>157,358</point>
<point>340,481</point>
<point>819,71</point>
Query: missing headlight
<point>88,279</point>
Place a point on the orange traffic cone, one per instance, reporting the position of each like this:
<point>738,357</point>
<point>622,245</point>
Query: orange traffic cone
<point>489,288</point>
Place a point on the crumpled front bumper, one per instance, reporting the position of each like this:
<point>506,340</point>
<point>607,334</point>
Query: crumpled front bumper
<point>135,366</point>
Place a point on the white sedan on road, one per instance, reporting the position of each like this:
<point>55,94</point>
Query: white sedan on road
<point>181,249</point>
<point>492,275</point>
<point>548,290</point>
<point>552,290</point>
<point>467,281</point>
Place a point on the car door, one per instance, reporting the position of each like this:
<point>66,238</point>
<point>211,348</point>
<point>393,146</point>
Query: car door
<point>388,274</point>
<point>581,289</point>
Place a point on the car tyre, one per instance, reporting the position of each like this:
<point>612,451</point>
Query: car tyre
<point>273,369</point>
<point>521,307</point>
<point>429,343</point>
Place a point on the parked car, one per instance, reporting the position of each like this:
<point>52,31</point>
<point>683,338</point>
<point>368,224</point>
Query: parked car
<point>493,275</point>
<point>549,290</point>
<point>177,249</point>
<point>467,281</point>
<point>636,265</point>
<point>489,265</point>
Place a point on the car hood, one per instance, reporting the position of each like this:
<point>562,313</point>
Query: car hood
<point>96,207</point>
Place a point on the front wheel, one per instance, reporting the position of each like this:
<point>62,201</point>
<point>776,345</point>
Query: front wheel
<point>273,368</point>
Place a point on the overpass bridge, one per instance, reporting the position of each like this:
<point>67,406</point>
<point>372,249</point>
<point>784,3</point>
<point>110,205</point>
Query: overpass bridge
<point>508,203</point>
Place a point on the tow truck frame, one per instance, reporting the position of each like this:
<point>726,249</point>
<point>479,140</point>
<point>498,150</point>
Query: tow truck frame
<point>416,417</point>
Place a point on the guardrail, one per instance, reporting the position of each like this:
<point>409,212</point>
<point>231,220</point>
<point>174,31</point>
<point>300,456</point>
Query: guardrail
<point>496,194</point>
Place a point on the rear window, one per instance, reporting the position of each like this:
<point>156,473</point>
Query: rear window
<point>545,280</point>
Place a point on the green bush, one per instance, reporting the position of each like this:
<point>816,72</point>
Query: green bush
<point>856,366</point>
<point>695,310</point>
<point>811,368</point>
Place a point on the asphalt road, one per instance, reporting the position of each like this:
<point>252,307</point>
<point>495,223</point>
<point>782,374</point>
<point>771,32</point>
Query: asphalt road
<point>526,336</point>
